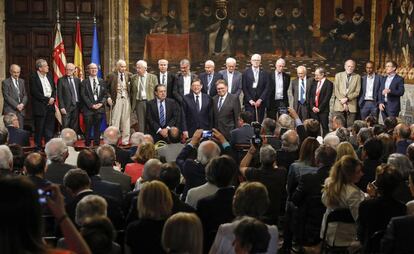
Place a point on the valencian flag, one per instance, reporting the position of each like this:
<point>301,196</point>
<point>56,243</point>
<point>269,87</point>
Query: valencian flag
<point>96,59</point>
<point>59,63</point>
<point>78,61</point>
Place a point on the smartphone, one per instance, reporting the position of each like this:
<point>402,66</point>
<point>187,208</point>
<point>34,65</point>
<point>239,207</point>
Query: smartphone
<point>43,194</point>
<point>207,134</point>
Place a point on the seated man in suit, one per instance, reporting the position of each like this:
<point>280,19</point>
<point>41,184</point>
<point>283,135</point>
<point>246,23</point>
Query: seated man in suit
<point>209,78</point>
<point>111,137</point>
<point>226,109</point>
<point>197,110</point>
<point>162,114</point>
<point>57,152</point>
<point>16,135</point>
<point>232,77</point>
<point>35,168</point>
<point>245,132</point>
<point>390,92</point>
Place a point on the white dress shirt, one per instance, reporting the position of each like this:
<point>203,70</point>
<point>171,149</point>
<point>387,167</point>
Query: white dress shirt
<point>187,84</point>
<point>388,82</point>
<point>369,90</point>
<point>97,86</point>
<point>256,74</point>
<point>278,86</point>
<point>229,80</point>
<point>47,87</point>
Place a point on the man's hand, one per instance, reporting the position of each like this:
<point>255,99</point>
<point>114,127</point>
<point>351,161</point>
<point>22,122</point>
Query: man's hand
<point>195,140</point>
<point>218,136</point>
<point>343,100</point>
<point>315,110</point>
<point>185,134</point>
<point>109,100</point>
<point>51,101</point>
<point>386,91</point>
<point>20,107</point>
<point>258,103</point>
<point>293,113</point>
<point>381,107</point>
<point>63,111</point>
<point>164,132</point>
<point>252,103</point>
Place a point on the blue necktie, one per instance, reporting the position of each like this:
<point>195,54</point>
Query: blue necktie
<point>220,103</point>
<point>302,92</point>
<point>208,84</point>
<point>162,115</point>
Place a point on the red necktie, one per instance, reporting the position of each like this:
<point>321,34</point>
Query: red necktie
<point>318,91</point>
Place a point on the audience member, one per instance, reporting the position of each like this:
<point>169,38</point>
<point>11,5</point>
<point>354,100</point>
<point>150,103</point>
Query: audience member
<point>56,152</point>
<point>18,158</point>
<point>69,138</point>
<point>387,145</point>
<point>137,138</point>
<point>111,137</point>
<point>398,236</point>
<point>145,152</point>
<point>345,148</point>
<point>88,207</point>
<point>356,127</point>
<point>390,123</point>
<point>16,134</point>
<point>402,139</point>
<point>331,140</point>
<point>170,151</point>
<point>150,172</point>
<point>371,159</point>
<point>410,204</point>
<point>378,129</point>
<point>338,121</point>
<point>4,136</point>
<point>243,134</point>
<point>289,152</point>
<point>343,134</point>
<point>404,166</point>
<point>410,153</point>
<point>251,236</point>
<point>363,135</point>
<point>99,234</point>
<point>268,132</point>
<point>35,167</point>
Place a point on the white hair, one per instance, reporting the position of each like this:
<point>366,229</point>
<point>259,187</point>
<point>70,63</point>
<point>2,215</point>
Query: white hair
<point>119,62</point>
<point>163,60</point>
<point>185,62</point>
<point>109,135</point>
<point>137,138</point>
<point>256,56</point>
<point>281,61</point>
<point>90,206</point>
<point>230,60</point>
<point>142,63</point>
<point>209,62</point>
<point>68,136</point>
<point>301,67</point>
<point>331,140</point>
<point>204,155</point>
<point>285,121</point>
<point>6,157</point>
<point>55,149</point>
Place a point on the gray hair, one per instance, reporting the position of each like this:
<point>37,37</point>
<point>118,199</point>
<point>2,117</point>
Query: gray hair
<point>401,163</point>
<point>8,118</point>
<point>68,136</point>
<point>56,149</point>
<point>256,56</point>
<point>281,61</point>
<point>90,206</point>
<point>321,70</point>
<point>111,135</point>
<point>209,62</point>
<point>137,138</point>
<point>301,67</point>
<point>6,157</point>
<point>185,62</point>
<point>151,170</point>
<point>267,154</point>
<point>332,141</point>
<point>119,62</point>
<point>148,137</point>
<point>106,154</point>
<point>290,141</point>
<point>285,121</point>
<point>163,60</point>
<point>89,65</point>
<point>14,65</point>
<point>204,154</point>
<point>142,63</point>
<point>364,134</point>
<point>230,60</point>
<point>39,63</point>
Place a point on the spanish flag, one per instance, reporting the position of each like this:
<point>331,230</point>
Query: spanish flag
<point>78,61</point>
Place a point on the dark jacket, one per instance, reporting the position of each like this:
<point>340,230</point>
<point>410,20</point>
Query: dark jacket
<point>398,238</point>
<point>105,188</point>
<point>56,171</point>
<point>40,103</point>
<point>111,175</point>
<point>18,136</point>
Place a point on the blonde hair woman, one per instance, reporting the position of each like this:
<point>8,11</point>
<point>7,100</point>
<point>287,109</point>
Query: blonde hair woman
<point>183,233</point>
<point>345,148</point>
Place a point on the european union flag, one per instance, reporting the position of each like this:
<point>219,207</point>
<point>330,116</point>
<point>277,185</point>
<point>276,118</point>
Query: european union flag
<point>95,58</point>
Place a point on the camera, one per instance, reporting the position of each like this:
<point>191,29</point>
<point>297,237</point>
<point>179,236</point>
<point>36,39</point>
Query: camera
<point>256,139</point>
<point>207,134</point>
<point>43,194</point>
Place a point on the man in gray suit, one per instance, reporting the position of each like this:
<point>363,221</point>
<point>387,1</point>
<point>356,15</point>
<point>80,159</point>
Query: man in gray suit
<point>300,91</point>
<point>226,109</point>
<point>14,93</point>
<point>232,77</point>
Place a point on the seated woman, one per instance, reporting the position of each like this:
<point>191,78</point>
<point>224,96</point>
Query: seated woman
<point>375,214</point>
<point>143,154</point>
<point>340,191</point>
<point>345,148</point>
<point>251,199</point>
<point>154,207</point>
<point>251,236</point>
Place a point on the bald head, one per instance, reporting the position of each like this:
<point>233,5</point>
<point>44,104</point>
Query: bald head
<point>34,164</point>
<point>111,135</point>
<point>206,151</point>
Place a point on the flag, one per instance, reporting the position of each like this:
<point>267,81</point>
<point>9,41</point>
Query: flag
<point>96,59</point>
<point>59,63</point>
<point>78,57</point>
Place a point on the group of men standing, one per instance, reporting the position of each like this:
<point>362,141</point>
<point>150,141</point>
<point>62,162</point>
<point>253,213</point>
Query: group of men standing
<point>190,102</point>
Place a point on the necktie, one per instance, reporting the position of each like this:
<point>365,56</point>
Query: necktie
<point>220,103</point>
<point>198,103</point>
<point>95,89</point>
<point>122,77</point>
<point>73,90</point>
<point>163,79</point>
<point>302,92</point>
<point>16,84</point>
<point>318,90</point>
<point>208,84</point>
<point>162,115</point>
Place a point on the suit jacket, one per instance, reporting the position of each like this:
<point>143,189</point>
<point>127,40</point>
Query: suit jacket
<point>151,82</point>
<point>204,81</point>
<point>178,89</point>
<point>295,91</point>
<point>193,119</point>
<point>56,171</point>
<point>272,87</point>
<point>242,135</point>
<point>18,136</point>
<point>398,236</point>
<point>11,97</point>
<point>236,84</point>
<point>324,96</point>
<point>88,98</point>
<point>170,83</point>
<point>105,188</point>
<point>64,92</point>
<point>112,84</point>
<point>377,80</point>
<point>261,92</point>
<point>354,86</point>
<point>226,119</point>
<point>122,156</point>
<point>172,115</point>
<point>111,175</point>
<point>397,90</point>
<point>40,103</point>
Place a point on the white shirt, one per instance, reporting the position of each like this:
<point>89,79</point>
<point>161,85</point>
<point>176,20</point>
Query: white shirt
<point>165,75</point>
<point>47,87</point>
<point>121,85</point>
<point>256,74</point>
<point>304,87</point>
<point>369,90</point>
<point>97,86</point>
<point>229,80</point>
<point>142,81</point>
<point>388,84</point>
<point>279,85</point>
<point>187,84</point>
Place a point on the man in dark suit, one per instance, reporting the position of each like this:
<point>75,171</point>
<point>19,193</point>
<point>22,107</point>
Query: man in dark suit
<point>226,109</point>
<point>209,78</point>
<point>232,77</point>
<point>182,85</point>
<point>390,91</point>
<point>398,236</point>
<point>35,167</point>
<point>111,137</point>
<point>16,135</point>
<point>162,113</point>
<point>14,93</point>
<point>197,109</point>
<point>68,91</point>
<point>57,152</point>
<point>255,83</point>
<point>278,90</point>
<point>319,96</point>
<point>368,98</point>
<point>107,172</point>
<point>165,77</point>
<point>245,132</point>
<point>93,94</point>
<point>300,91</point>
<point>43,92</point>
